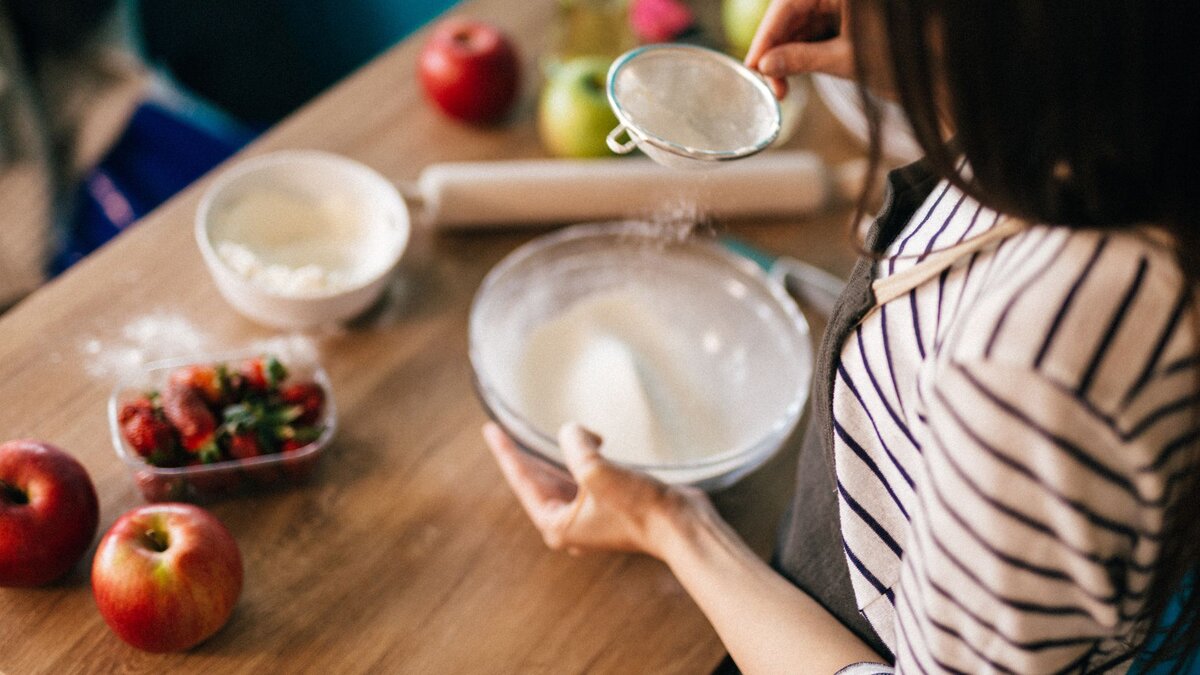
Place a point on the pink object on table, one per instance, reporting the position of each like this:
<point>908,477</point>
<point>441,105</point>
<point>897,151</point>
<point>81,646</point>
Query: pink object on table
<point>659,20</point>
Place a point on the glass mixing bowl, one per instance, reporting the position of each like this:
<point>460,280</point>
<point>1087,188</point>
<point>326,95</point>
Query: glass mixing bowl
<point>740,336</point>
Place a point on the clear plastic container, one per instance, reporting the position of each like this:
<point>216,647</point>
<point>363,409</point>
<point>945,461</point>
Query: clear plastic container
<point>208,482</point>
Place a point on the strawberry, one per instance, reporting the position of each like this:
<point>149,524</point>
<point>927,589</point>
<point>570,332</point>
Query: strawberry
<point>262,374</point>
<point>204,379</point>
<point>297,468</point>
<point>253,375</point>
<point>244,445</point>
<point>202,482</point>
<point>308,396</point>
<point>134,408</point>
<point>157,488</point>
<point>146,431</point>
<point>660,20</point>
<point>185,409</point>
<point>248,444</point>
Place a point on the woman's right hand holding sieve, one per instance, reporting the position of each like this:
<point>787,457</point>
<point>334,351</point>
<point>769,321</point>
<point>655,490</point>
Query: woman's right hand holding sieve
<point>802,36</point>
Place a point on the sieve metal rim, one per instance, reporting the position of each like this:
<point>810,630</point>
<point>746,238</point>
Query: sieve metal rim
<point>639,135</point>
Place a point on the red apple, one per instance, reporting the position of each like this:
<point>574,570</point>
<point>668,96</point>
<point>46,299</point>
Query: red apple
<point>48,513</point>
<point>470,70</point>
<point>166,576</point>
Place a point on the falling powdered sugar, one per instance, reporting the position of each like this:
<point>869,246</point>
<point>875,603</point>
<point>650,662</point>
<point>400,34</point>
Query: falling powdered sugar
<point>673,220</point>
<point>162,335</point>
<point>148,338</point>
<point>291,348</point>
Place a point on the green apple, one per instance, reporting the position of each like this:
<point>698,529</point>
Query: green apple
<point>573,113</point>
<point>740,19</point>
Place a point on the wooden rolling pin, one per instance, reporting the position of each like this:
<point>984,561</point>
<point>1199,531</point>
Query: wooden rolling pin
<point>466,195</point>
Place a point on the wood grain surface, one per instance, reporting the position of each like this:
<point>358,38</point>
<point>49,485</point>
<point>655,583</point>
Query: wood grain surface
<point>407,552</point>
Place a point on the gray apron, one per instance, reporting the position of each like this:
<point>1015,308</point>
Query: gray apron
<point>809,551</point>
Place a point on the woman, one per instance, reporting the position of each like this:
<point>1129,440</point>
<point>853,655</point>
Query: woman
<point>1004,439</point>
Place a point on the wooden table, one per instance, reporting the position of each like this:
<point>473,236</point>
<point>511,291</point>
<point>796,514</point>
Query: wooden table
<point>407,553</point>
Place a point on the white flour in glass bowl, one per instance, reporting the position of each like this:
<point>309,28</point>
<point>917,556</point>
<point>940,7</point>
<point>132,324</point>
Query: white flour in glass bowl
<point>611,364</point>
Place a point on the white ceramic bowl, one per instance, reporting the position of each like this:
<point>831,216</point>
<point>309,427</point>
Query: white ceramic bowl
<point>842,98</point>
<point>371,239</point>
<point>737,331</point>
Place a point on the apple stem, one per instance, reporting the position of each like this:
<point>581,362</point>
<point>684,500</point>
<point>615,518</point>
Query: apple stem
<point>156,540</point>
<point>13,494</point>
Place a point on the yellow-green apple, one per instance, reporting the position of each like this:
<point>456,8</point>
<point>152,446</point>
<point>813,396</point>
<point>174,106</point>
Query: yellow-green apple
<point>470,70</point>
<point>48,512</point>
<point>740,19</point>
<point>573,113</point>
<point>166,577</point>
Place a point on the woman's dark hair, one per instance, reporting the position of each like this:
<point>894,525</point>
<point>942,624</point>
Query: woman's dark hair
<point>1085,114</point>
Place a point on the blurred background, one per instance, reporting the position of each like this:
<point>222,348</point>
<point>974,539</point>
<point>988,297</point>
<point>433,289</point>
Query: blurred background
<point>109,107</point>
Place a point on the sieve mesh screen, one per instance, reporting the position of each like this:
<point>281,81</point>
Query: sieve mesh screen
<point>695,99</point>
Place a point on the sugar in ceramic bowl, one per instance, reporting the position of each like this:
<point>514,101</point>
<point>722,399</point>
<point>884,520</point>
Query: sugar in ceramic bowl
<point>684,326</point>
<point>296,239</point>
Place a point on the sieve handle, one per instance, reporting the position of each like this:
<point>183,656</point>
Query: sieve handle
<point>617,146</point>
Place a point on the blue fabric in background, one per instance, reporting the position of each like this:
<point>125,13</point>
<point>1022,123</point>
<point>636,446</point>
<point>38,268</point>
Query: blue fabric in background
<point>159,154</point>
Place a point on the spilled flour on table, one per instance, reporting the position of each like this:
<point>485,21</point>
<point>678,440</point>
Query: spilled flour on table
<point>145,339</point>
<point>164,335</point>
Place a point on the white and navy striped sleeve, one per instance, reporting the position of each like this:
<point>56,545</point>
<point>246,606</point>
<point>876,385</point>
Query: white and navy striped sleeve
<point>1050,445</point>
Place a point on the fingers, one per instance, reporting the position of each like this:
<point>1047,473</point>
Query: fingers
<point>538,488</point>
<point>581,449</point>
<point>503,449</point>
<point>801,36</point>
<point>779,85</point>
<point>776,27</point>
<point>833,57</point>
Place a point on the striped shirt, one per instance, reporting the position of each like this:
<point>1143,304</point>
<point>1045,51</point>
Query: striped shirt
<point>1006,438</point>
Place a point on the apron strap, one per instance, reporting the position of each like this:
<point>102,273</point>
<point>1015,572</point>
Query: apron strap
<point>891,287</point>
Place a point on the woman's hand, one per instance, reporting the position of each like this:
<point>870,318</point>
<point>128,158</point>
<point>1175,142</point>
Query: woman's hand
<point>802,36</point>
<point>599,506</point>
<point>768,625</point>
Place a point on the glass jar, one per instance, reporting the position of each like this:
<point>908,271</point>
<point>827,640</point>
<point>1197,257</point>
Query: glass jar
<point>590,28</point>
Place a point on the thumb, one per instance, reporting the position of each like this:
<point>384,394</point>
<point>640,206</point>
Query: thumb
<point>832,57</point>
<point>581,450</point>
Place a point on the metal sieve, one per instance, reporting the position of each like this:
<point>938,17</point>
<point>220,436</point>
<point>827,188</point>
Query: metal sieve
<point>689,107</point>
